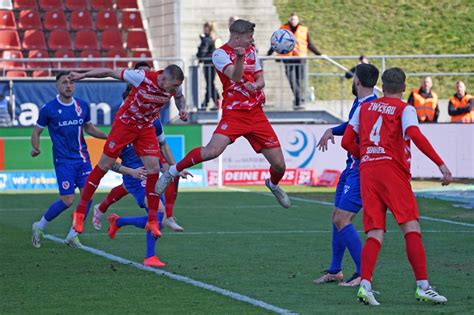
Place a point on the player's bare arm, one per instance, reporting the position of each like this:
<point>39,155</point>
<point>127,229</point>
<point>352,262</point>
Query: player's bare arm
<point>235,71</point>
<point>180,102</point>
<point>323,142</point>
<point>138,173</point>
<point>259,83</point>
<point>97,73</point>
<point>92,130</point>
<point>35,141</point>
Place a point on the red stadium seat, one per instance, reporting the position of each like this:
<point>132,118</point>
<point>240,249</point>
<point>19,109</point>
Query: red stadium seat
<point>40,54</point>
<point>137,40</point>
<point>50,4</point>
<point>41,73</point>
<point>7,20</point>
<point>131,19</point>
<point>117,54</point>
<point>127,4</point>
<point>77,4</point>
<point>12,55</point>
<point>106,20</point>
<point>86,40</point>
<point>25,4</point>
<point>91,64</point>
<point>64,64</point>
<point>141,54</point>
<point>34,39</point>
<point>102,4</point>
<point>16,74</point>
<point>30,20</point>
<point>81,20</point>
<point>111,40</point>
<point>9,39</point>
<point>60,40</point>
<point>54,20</point>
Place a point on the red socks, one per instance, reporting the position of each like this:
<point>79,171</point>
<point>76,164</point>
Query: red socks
<point>416,255</point>
<point>92,182</point>
<point>114,195</point>
<point>370,253</point>
<point>192,158</point>
<point>171,193</point>
<point>152,197</point>
<point>275,176</point>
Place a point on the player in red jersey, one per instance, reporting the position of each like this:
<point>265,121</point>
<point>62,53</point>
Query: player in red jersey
<point>385,127</point>
<point>241,74</point>
<point>134,124</point>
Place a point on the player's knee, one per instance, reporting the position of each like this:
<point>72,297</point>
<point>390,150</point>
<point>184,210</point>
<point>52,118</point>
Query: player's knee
<point>210,152</point>
<point>341,218</point>
<point>279,166</point>
<point>68,200</point>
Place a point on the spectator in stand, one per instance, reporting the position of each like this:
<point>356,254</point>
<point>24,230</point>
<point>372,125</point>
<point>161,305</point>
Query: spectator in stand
<point>295,68</point>
<point>209,43</point>
<point>350,73</point>
<point>461,105</point>
<point>425,102</point>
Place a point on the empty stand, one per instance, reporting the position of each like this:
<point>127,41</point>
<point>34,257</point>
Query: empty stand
<point>81,20</point>
<point>39,54</point>
<point>34,39</point>
<point>86,40</point>
<point>131,19</point>
<point>59,40</point>
<point>111,40</point>
<point>11,63</point>
<point>117,54</point>
<point>91,64</point>
<point>51,4</point>
<point>16,74</point>
<point>140,54</point>
<point>102,4</point>
<point>9,39</point>
<point>54,20</point>
<point>64,64</point>
<point>137,40</point>
<point>25,4</point>
<point>7,20</point>
<point>40,73</point>
<point>106,20</point>
<point>77,4</point>
<point>30,20</point>
<point>127,4</point>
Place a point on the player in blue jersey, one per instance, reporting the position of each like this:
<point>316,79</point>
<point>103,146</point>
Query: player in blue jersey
<point>347,201</point>
<point>66,118</point>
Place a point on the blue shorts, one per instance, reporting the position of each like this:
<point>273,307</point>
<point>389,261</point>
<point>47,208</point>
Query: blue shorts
<point>136,187</point>
<point>348,191</point>
<point>70,175</point>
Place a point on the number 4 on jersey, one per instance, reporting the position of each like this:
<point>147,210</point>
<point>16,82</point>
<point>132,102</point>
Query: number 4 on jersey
<point>375,132</point>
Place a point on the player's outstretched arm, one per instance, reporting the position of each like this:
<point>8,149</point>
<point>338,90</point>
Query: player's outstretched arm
<point>235,71</point>
<point>425,146</point>
<point>97,73</point>
<point>323,142</point>
<point>92,130</point>
<point>349,141</point>
<point>180,103</point>
<point>138,173</point>
<point>35,141</point>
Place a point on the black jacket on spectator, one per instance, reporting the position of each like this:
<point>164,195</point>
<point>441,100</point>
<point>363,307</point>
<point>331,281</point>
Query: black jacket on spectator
<point>206,48</point>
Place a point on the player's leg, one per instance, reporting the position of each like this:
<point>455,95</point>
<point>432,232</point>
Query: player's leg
<point>170,194</point>
<point>277,169</point>
<point>113,196</point>
<point>152,166</point>
<point>370,253</point>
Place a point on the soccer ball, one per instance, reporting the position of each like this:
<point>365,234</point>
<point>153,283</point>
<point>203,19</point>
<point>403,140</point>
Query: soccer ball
<point>283,41</point>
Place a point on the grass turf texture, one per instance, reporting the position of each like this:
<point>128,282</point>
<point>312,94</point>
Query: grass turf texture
<point>390,28</point>
<point>277,268</point>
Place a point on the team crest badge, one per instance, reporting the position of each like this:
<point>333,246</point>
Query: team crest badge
<point>65,184</point>
<point>111,145</point>
<point>224,126</point>
<point>60,111</point>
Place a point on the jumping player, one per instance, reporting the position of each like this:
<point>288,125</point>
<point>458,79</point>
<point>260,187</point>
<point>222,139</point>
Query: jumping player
<point>134,124</point>
<point>347,201</point>
<point>385,127</point>
<point>241,74</point>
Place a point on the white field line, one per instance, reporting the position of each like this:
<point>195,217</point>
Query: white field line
<point>199,284</point>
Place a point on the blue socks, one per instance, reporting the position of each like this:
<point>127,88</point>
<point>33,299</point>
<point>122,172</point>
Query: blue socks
<point>54,210</point>
<point>338,248</point>
<point>139,222</point>
<point>353,243</point>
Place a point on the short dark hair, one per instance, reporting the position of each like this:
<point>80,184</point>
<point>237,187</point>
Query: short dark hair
<point>393,80</point>
<point>62,74</point>
<point>174,72</point>
<point>362,57</point>
<point>241,27</point>
<point>142,64</point>
<point>367,74</point>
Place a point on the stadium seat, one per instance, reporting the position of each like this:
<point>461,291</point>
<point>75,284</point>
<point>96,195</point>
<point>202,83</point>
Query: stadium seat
<point>127,4</point>
<point>91,64</point>
<point>140,54</point>
<point>60,40</point>
<point>102,4</point>
<point>50,4</point>
<point>40,54</point>
<point>25,4</point>
<point>12,55</point>
<point>54,20</point>
<point>30,20</point>
<point>77,4</point>
<point>7,20</point>
<point>137,40</point>
<point>16,74</point>
<point>106,19</point>
<point>9,39</point>
<point>111,40</point>
<point>86,40</point>
<point>64,64</point>
<point>118,54</point>
<point>40,73</point>
<point>34,39</point>
<point>81,20</point>
<point>131,19</point>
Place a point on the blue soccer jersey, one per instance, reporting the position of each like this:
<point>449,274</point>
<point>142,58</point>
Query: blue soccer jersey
<point>65,123</point>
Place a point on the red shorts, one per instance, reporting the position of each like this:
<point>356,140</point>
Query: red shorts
<point>145,141</point>
<point>384,185</point>
<point>252,124</point>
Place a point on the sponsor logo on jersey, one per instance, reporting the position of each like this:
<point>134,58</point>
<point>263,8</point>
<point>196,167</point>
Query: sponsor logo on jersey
<point>60,111</point>
<point>111,144</point>
<point>78,109</point>
<point>224,126</point>
<point>65,184</point>
<point>375,150</point>
<point>71,122</point>
<point>346,188</point>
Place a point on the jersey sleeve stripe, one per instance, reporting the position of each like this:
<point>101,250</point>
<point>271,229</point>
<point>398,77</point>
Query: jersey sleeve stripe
<point>225,67</point>
<point>39,126</point>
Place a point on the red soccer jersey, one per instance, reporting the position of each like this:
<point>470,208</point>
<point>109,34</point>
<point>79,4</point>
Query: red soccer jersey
<point>381,125</point>
<point>144,103</point>
<point>235,95</point>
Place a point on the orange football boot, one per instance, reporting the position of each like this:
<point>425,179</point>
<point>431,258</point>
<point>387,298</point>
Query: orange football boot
<point>153,261</point>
